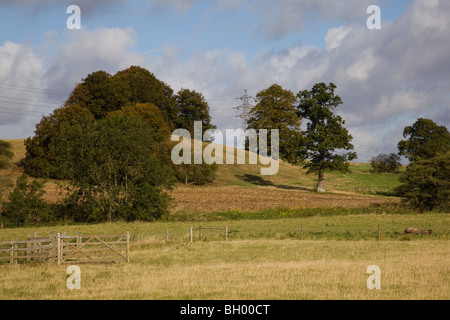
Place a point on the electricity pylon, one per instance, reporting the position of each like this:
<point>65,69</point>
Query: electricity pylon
<point>245,108</point>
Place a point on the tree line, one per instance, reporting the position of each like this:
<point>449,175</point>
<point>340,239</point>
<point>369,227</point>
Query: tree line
<point>111,140</point>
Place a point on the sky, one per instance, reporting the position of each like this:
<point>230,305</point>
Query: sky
<point>387,78</point>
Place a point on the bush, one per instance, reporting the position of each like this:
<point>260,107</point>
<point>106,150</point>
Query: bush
<point>426,185</point>
<point>197,174</point>
<point>385,163</point>
<point>6,154</point>
<point>25,204</point>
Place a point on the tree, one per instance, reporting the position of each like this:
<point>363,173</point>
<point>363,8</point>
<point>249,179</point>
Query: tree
<point>25,204</point>
<point>425,139</point>
<point>275,109</point>
<point>327,142</point>
<point>426,183</point>
<point>116,169</point>
<point>192,107</point>
<point>6,154</point>
<point>385,163</point>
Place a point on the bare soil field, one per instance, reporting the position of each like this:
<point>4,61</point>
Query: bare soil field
<point>207,199</point>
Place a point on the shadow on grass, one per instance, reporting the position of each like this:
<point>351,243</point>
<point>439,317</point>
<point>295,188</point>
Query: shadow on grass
<point>259,181</point>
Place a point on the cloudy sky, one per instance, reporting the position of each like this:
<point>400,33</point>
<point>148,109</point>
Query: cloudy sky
<point>387,78</point>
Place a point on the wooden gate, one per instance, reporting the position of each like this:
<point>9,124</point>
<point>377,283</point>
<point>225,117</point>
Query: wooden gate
<point>93,248</point>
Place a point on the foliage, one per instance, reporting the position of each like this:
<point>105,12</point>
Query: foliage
<point>276,110</point>
<point>6,154</point>
<point>116,168</point>
<point>425,140</point>
<point>138,85</point>
<point>192,106</point>
<point>133,91</point>
<point>98,93</point>
<point>326,140</point>
<point>41,157</point>
<point>426,183</point>
<point>385,163</point>
<point>197,174</point>
<point>25,204</point>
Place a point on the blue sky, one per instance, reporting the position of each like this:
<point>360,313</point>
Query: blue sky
<point>387,78</point>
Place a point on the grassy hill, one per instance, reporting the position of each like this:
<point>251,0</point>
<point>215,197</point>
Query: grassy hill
<point>241,187</point>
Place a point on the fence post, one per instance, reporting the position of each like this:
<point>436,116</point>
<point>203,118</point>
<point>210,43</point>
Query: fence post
<point>11,252</point>
<point>190,235</point>
<point>53,254</point>
<point>58,248</point>
<point>128,246</point>
<point>138,242</point>
<point>379,232</point>
<point>226,233</point>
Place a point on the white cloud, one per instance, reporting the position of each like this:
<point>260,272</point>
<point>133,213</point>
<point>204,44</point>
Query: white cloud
<point>335,37</point>
<point>107,49</point>
<point>21,72</point>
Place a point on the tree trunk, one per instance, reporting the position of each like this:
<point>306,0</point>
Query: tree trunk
<point>320,184</point>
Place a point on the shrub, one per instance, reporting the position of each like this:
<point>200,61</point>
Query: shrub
<point>426,184</point>
<point>385,163</point>
<point>25,204</point>
<point>6,154</point>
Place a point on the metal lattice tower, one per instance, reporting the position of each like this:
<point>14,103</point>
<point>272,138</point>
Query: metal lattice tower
<point>245,108</point>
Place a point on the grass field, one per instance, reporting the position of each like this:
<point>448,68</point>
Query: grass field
<point>248,269</point>
<point>285,242</point>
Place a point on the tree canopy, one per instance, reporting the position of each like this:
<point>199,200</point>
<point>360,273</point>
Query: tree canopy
<point>192,106</point>
<point>275,109</point>
<point>131,91</point>
<point>116,169</point>
<point>425,139</point>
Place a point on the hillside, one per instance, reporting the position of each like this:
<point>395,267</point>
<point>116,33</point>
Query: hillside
<point>241,187</point>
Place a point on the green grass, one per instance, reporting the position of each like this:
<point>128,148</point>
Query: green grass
<point>360,180</point>
<point>285,226</point>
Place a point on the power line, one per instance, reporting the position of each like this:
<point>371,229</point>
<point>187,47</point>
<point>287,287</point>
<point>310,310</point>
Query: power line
<point>30,100</point>
<point>32,90</point>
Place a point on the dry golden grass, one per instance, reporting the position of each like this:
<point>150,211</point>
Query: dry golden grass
<point>264,269</point>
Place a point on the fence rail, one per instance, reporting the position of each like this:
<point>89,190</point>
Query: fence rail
<point>200,234</point>
<point>67,249</point>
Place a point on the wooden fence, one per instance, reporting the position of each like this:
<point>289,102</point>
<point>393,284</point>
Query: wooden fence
<point>200,230</point>
<point>67,249</point>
